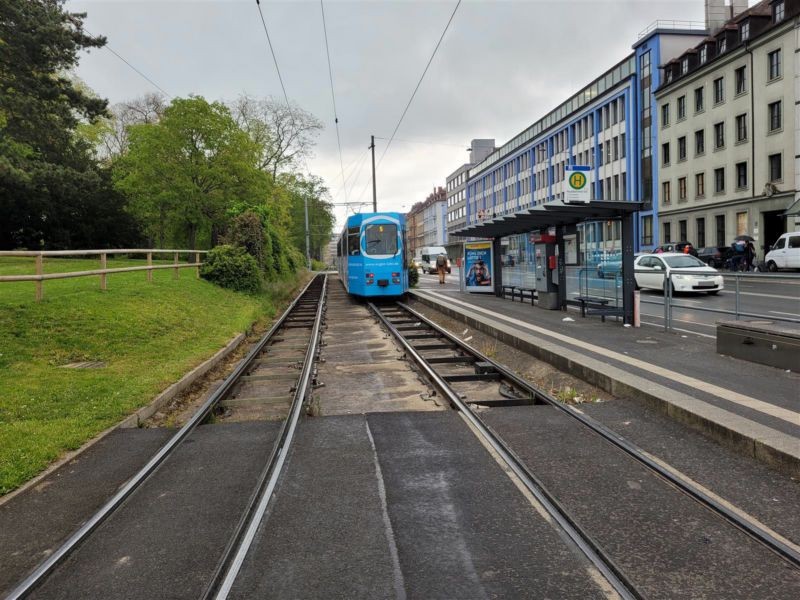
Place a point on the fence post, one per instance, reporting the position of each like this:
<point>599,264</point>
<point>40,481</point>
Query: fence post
<point>736,275</point>
<point>150,264</point>
<point>175,274</point>
<point>197,260</point>
<point>39,271</point>
<point>103,265</point>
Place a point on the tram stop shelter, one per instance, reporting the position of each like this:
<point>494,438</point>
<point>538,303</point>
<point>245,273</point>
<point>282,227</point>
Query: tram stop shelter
<point>559,217</point>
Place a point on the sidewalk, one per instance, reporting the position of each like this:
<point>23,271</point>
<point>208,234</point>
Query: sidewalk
<point>752,408</point>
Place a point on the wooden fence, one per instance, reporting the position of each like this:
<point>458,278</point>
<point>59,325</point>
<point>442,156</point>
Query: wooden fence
<point>40,276</point>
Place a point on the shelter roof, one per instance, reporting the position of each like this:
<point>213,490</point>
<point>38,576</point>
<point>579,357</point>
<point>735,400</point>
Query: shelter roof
<point>548,215</point>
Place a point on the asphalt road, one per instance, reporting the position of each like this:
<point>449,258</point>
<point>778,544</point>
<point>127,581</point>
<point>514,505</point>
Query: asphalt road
<point>766,297</point>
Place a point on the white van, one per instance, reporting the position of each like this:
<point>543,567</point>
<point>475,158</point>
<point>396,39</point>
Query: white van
<point>425,258</point>
<point>785,253</point>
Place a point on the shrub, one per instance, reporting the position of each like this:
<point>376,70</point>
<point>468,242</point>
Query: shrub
<point>232,267</point>
<point>247,231</point>
<point>318,265</point>
<point>413,275</point>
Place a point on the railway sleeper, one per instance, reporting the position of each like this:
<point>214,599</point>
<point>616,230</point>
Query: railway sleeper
<point>501,402</point>
<point>442,346</point>
<point>451,359</point>
<point>428,335</point>
<point>459,377</point>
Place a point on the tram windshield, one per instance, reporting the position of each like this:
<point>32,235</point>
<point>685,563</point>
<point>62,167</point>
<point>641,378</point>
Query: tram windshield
<point>381,239</point>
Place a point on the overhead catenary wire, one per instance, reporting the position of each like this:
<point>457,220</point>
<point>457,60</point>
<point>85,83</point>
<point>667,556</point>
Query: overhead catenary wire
<point>142,75</point>
<point>427,66</point>
<point>272,51</point>
<point>333,97</point>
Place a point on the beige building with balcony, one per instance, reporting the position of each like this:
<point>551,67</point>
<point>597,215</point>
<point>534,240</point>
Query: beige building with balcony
<point>729,132</point>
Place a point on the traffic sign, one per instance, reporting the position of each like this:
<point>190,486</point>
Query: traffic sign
<point>577,189</point>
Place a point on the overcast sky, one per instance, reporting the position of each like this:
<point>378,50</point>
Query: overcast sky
<point>501,66</point>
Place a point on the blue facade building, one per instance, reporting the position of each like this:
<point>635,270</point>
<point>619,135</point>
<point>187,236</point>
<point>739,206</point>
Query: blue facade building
<point>609,125</point>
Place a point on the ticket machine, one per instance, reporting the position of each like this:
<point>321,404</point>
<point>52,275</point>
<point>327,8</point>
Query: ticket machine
<point>546,263</point>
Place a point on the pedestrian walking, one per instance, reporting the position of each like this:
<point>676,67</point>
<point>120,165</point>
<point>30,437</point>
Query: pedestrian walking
<point>749,255</point>
<point>441,267</point>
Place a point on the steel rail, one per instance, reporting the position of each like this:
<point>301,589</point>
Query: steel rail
<point>38,575</point>
<point>230,564</point>
<point>758,533</point>
<point>590,548</point>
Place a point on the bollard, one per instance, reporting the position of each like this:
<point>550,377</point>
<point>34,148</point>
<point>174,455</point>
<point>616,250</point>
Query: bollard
<point>637,322</point>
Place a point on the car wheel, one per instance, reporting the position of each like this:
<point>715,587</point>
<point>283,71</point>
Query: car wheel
<point>771,266</point>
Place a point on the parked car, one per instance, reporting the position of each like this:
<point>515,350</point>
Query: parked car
<point>785,253</point>
<point>652,268</point>
<point>678,247</point>
<point>609,268</point>
<point>714,256</point>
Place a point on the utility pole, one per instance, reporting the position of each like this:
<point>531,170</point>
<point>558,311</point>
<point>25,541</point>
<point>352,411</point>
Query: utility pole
<point>308,235</point>
<point>374,192</point>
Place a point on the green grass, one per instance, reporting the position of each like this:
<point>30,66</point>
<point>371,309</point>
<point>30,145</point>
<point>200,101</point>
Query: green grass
<point>148,334</point>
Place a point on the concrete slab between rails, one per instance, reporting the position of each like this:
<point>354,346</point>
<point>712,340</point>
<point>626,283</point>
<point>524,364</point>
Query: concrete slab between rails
<point>775,448</point>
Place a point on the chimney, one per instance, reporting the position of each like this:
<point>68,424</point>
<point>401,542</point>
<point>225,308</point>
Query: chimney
<point>718,12</point>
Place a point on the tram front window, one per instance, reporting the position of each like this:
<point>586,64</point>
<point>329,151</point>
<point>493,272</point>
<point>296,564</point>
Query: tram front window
<point>381,239</point>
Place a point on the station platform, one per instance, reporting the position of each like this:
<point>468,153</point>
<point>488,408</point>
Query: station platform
<point>752,408</point>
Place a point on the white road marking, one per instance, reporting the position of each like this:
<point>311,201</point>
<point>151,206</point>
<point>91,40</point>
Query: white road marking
<point>733,293</point>
<point>777,312</point>
<point>772,410</point>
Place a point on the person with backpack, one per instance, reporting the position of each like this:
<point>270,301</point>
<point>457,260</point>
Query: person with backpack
<point>441,267</point>
<point>737,260</point>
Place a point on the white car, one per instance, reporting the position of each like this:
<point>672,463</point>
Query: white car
<point>785,253</point>
<point>694,275</point>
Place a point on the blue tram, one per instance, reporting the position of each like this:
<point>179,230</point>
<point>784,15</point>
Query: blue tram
<point>371,255</point>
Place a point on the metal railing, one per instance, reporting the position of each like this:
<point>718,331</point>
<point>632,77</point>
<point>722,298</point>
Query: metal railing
<point>40,276</point>
<point>737,312</point>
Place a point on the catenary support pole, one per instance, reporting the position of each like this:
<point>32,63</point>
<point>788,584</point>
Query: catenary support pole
<point>308,235</point>
<point>374,188</point>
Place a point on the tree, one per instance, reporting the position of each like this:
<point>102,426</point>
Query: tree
<point>50,187</point>
<point>184,172</point>
<point>285,133</point>
<point>109,135</point>
<point>321,218</point>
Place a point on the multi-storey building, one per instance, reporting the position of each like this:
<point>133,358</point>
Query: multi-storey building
<point>414,228</point>
<point>457,194</point>
<point>608,125</point>
<point>434,216</point>
<point>729,130</point>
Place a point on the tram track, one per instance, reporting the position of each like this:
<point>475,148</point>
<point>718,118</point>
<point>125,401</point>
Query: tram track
<point>279,367</point>
<point>448,362</point>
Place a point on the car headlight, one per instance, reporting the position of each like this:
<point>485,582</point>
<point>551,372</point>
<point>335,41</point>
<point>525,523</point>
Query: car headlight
<point>680,276</point>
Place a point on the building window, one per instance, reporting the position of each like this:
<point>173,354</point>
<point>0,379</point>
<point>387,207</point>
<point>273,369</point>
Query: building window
<point>719,135</point>
<point>700,224</point>
<point>682,188</point>
<point>719,180</point>
<point>665,198</point>
<point>615,145</point>
<point>681,107</point>
<point>778,11</point>
<point>741,223</point>
<point>700,185</point>
<point>775,167</point>
<point>700,142</point>
<point>682,229</point>
<point>774,61</point>
<point>647,230</point>
<point>699,97</point>
<point>719,221</point>
<point>723,45</point>
<point>665,154</point>
<point>622,146</point>
<point>684,66</point>
<point>775,120</point>
<point>667,233</point>
<point>665,115</point>
<point>741,128</point>
<point>740,76</point>
<point>703,54</point>
<point>719,90</point>
<point>741,176</point>
<point>745,31</point>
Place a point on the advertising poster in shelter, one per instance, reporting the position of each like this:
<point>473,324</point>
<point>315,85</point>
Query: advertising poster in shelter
<point>478,267</point>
